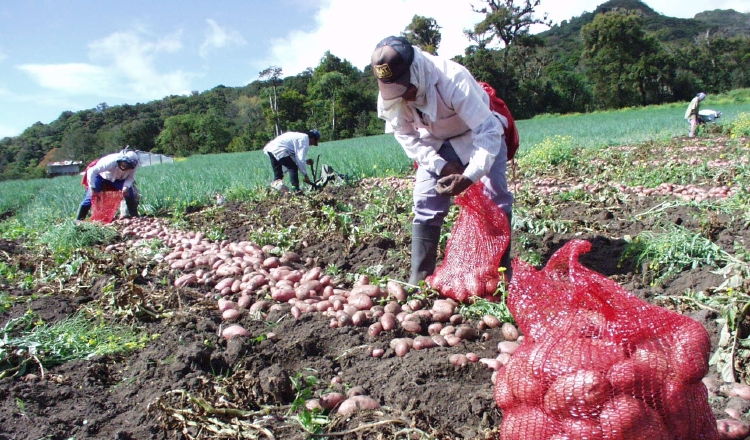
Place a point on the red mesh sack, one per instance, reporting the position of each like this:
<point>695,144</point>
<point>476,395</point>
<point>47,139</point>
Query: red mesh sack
<point>478,240</point>
<point>599,363</point>
<point>104,205</point>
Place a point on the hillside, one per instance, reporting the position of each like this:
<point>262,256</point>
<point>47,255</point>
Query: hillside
<point>564,39</point>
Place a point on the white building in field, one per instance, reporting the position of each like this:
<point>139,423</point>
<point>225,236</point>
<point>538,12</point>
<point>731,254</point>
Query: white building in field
<point>64,168</point>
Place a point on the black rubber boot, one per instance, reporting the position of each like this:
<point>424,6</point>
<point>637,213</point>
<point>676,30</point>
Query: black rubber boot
<point>424,246</point>
<point>83,211</point>
<point>132,205</point>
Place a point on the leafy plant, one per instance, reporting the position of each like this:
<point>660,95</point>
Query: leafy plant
<point>76,337</point>
<point>672,251</point>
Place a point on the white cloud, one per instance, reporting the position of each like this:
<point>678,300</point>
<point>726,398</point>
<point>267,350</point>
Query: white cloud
<point>123,65</point>
<point>71,78</point>
<point>218,37</point>
<point>351,29</point>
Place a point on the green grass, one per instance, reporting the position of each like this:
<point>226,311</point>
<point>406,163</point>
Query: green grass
<point>27,342</point>
<point>193,182</point>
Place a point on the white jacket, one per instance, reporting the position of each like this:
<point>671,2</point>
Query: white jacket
<point>463,116</point>
<point>290,144</point>
<point>108,169</point>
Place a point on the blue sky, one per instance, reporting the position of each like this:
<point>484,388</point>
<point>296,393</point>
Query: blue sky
<point>58,55</point>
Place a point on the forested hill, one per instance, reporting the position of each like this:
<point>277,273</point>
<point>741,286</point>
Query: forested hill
<point>565,42</point>
<point>620,55</point>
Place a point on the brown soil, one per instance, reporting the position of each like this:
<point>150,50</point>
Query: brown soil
<point>156,392</point>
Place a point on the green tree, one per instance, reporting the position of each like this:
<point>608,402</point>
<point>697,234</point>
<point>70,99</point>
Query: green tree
<point>273,76</point>
<point>626,66</point>
<point>423,32</point>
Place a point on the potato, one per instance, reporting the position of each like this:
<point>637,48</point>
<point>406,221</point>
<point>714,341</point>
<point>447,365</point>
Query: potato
<point>686,411</point>
<point>233,331</point>
<point>459,359</point>
<point>225,305</point>
<point>732,429</point>
<point>411,326</point>
<point>283,295</point>
<point>392,307</point>
<point>689,351</point>
<point>375,329</point>
<point>423,342</point>
<point>360,319</point>
<point>509,347</point>
<point>526,423</point>
<point>467,332</point>
<point>439,340</point>
<point>388,320</point>
<point>582,428</point>
<point>628,418</point>
<point>357,403</point>
<point>331,400</point>
<point>444,306</point>
<point>526,387</point>
<point>491,321</point>
<point>230,315</point>
<point>395,290</point>
<point>401,348</point>
<point>635,378</point>
<point>377,352</point>
<point>510,332</point>
<point>576,394</point>
<point>370,290</point>
<point>186,280</point>
<point>360,301</point>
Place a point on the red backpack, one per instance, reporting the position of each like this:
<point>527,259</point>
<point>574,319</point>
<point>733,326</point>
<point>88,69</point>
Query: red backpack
<point>85,180</point>
<point>498,105</point>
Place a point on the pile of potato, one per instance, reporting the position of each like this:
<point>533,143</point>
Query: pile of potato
<point>248,279</point>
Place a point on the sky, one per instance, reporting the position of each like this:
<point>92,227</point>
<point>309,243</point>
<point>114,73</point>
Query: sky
<point>72,55</point>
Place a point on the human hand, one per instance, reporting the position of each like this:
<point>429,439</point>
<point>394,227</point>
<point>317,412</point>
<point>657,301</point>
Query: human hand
<point>310,162</point>
<point>453,185</point>
<point>125,190</point>
<point>452,168</point>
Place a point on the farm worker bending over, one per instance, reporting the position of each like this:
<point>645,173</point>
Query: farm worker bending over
<point>692,112</point>
<point>114,172</point>
<point>441,117</point>
<point>288,152</point>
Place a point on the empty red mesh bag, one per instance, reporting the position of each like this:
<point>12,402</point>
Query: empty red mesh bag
<point>478,240</point>
<point>599,363</point>
<point>104,205</point>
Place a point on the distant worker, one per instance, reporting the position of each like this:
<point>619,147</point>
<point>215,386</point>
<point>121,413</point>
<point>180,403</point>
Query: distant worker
<point>441,117</point>
<point>692,112</point>
<point>288,152</point>
<point>114,172</point>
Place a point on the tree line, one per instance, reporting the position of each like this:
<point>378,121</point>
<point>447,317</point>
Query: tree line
<point>622,54</point>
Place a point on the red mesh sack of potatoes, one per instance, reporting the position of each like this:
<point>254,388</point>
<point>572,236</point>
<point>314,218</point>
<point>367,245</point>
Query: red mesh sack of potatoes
<point>104,205</point>
<point>598,363</point>
<point>478,240</point>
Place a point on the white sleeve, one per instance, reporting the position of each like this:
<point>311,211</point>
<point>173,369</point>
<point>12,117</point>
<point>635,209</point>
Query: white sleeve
<point>300,154</point>
<point>489,145</point>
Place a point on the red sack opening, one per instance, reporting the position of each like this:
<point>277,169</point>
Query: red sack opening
<point>479,238</point>
<point>104,205</point>
<point>599,363</point>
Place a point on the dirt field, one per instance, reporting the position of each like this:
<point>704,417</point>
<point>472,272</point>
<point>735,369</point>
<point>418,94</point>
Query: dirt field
<point>192,383</point>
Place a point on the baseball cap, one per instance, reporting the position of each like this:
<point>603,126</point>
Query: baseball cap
<point>391,62</point>
<point>315,133</point>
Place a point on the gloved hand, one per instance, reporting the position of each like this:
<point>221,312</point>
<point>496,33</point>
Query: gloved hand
<point>453,185</point>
